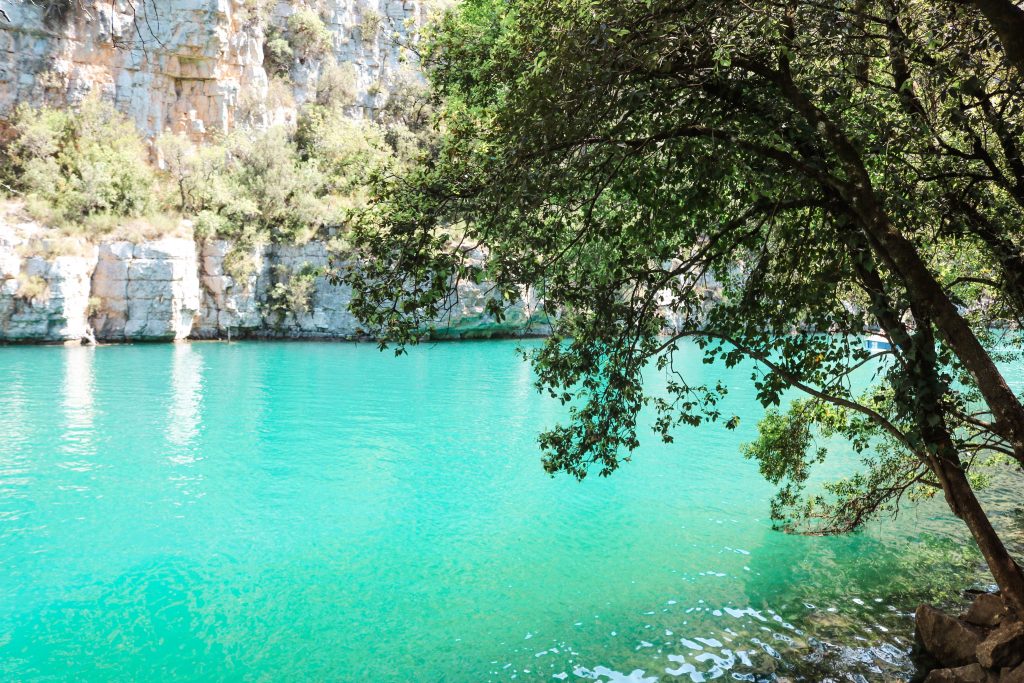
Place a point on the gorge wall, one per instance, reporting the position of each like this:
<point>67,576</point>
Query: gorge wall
<point>176,288</point>
<point>197,66</point>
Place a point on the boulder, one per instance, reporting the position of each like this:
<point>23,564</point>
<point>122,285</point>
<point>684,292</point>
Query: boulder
<point>988,610</point>
<point>1015,675</point>
<point>147,291</point>
<point>948,640</point>
<point>1004,647</point>
<point>972,673</point>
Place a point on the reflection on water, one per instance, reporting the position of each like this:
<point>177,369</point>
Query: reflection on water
<point>15,431</point>
<point>327,512</point>
<point>77,404</point>
<point>186,395</point>
<point>77,395</point>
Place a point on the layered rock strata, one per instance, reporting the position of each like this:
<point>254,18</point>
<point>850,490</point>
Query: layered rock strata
<point>174,288</point>
<point>198,66</point>
<point>147,291</point>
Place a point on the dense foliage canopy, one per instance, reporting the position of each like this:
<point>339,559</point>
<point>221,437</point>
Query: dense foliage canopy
<point>773,179</point>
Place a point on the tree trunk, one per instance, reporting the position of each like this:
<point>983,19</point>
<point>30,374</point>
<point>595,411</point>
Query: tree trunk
<point>944,458</point>
<point>965,505</point>
<point>945,461</point>
<point>902,257</point>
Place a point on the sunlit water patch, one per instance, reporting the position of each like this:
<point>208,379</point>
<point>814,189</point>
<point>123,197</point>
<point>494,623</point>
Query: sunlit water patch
<point>326,512</point>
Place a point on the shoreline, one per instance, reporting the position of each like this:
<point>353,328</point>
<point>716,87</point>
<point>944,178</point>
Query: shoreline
<point>444,339</point>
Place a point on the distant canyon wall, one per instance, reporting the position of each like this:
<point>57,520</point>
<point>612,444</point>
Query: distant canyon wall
<point>176,288</point>
<point>197,66</point>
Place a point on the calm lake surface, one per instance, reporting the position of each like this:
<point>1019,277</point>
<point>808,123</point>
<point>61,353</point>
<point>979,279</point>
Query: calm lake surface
<point>292,511</point>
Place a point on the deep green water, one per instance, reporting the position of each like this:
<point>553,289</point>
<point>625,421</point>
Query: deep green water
<point>288,511</point>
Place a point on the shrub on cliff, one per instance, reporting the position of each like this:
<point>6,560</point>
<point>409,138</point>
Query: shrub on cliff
<point>271,178</point>
<point>305,36</point>
<point>307,33</point>
<point>369,29</point>
<point>277,185</point>
<point>407,118</point>
<point>251,186</point>
<point>336,86</point>
<point>344,151</point>
<point>72,164</point>
<point>195,172</point>
<point>277,55</point>
<point>292,291</point>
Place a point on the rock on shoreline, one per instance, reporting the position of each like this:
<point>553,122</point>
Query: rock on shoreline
<point>985,644</point>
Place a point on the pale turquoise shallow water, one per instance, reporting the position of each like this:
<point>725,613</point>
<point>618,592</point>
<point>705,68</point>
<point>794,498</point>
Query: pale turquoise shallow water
<point>289,511</point>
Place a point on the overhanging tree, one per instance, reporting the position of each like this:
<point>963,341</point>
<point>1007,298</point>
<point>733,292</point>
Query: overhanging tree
<point>770,179</point>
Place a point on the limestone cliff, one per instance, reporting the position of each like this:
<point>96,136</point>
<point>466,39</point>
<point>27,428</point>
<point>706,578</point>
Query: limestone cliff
<point>145,291</point>
<point>196,65</point>
<point>42,298</point>
<point>175,288</point>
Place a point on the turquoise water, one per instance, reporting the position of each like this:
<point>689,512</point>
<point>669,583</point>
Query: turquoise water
<point>291,511</point>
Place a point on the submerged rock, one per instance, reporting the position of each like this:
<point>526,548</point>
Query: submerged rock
<point>972,673</point>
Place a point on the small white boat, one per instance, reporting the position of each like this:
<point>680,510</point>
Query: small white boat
<point>878,342</point>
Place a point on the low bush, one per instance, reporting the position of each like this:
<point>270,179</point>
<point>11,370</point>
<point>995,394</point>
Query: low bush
<point>32,288</point>
<point>86,172</point>
<point>78,163</point>
<point>345,151</point>
<point>240,263</point>
<point>292,292</point>
<point>251,184</point>
<point>369,29</point>
<point>253,13</point>
<point>277,55</point>
<point>336,86</point>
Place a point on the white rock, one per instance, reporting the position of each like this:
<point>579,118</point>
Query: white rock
<point>182,67</point>
<point>59,313</point>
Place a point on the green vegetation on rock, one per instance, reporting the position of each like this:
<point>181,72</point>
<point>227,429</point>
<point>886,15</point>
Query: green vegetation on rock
<point>88,170</point>
<point>79,164</point>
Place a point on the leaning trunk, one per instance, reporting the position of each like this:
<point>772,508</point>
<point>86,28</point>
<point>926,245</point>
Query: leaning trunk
<point>964,503</point>
<point>944,459</point>
<point>929,296</point>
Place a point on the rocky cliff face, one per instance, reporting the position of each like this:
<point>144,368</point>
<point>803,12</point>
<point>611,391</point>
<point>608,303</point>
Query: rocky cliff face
<point>198,66</point>
<point>42,298</point>
<point>195,66</point>
<point>145,291</point>
<point>174,288</point>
